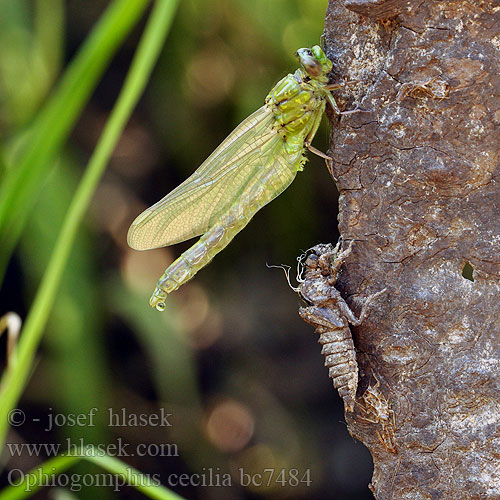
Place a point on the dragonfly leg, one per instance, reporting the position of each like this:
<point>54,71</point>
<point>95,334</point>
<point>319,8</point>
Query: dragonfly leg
<point>333,103</point>
<point>339,85</point>
<point>316,151</point>
<point>309,138</point>
<point>334,86</point>
<point>329,167</point>
<point>355,110</point>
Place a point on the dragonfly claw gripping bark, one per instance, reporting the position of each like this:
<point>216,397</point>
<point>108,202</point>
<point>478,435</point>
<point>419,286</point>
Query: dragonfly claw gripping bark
<point>251,167</point>
<point>329,313</point>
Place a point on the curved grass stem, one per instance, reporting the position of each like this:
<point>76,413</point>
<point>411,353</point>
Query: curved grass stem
<point>14,379</point>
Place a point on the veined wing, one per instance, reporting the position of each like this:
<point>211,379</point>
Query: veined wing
<point>191,208</point>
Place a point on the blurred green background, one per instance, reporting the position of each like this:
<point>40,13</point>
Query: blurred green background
<point>230,359</point>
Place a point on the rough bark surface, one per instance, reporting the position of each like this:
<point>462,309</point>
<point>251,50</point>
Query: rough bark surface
<point>418,176</point>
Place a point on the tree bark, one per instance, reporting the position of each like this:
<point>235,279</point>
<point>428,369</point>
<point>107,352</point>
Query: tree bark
<point>418,179</point>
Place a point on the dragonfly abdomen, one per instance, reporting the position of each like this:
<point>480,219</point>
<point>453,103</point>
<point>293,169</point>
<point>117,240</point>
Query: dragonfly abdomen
<point>340,359</point>
<point>338,349</point>
<point>195,258</point>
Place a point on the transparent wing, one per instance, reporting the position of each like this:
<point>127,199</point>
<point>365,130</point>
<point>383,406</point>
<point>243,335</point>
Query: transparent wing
<point>191,208</point>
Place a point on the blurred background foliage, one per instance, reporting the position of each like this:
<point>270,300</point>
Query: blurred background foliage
<point>229,358</point>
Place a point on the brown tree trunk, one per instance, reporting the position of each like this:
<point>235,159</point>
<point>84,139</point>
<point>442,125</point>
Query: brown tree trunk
<point>420,197</point>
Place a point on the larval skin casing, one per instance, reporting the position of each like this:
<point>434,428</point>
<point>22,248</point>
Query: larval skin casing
<point>330,315</point>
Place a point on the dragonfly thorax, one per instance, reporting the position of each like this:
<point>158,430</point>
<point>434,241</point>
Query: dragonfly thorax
<point>299,99</point>
<point>297,103</point>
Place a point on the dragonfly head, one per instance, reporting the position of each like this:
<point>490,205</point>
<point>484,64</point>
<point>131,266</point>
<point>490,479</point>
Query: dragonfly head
<point>314,62</point>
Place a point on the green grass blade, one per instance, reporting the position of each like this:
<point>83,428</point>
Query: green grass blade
<point>53,124</point>
<point>133,477</point>
<point>149,47</point>
<point>35,478</point>
<point>27,486</point>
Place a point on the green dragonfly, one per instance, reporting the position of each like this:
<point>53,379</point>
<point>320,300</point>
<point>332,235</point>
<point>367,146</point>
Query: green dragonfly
<point>251,167</point>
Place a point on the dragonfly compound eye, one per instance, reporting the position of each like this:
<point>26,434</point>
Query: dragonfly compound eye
<point>309,62</point>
